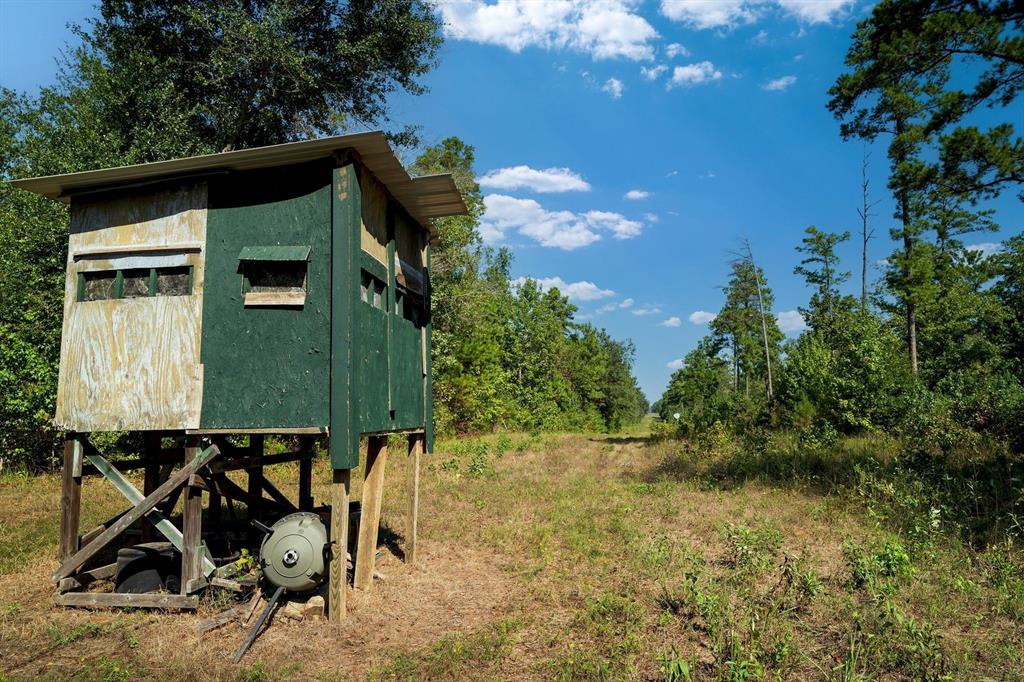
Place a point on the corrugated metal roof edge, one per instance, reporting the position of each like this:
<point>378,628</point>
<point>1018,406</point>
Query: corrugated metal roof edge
<point>373,148</point>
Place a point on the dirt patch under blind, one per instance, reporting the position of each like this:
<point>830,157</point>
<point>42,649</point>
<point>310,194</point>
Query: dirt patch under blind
<point>450,589</point>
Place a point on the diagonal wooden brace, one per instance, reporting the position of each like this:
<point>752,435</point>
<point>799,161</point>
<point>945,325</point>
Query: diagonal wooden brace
<point>179,479</point>
<point>124,486</point>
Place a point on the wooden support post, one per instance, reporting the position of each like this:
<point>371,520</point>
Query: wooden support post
<point>180,478</point>
<point>71,496</point>
<point>255,481</point>
<point>151,478</point>
<point>192,578</point>
<point>412,518</point>
<point>306,479</point>
<point>369,517</point>
<point>337,588</point>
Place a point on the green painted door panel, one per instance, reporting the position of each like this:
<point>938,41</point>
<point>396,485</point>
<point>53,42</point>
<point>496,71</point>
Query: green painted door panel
<point>407,366</point>
<point>371,370</point>
<point>268,366</point>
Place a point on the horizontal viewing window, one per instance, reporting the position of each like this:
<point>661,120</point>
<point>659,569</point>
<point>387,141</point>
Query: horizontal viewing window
<point>372,291</point>
<point>102,285</point>
<point>274,282</point>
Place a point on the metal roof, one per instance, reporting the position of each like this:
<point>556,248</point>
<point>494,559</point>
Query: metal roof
<point>425,197</point>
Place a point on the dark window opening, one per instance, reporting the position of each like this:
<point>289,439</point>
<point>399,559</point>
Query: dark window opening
<point>373,292</point>
<point>97,286</point>
<point>277,277</point>
<point>105,285</point>
<point>135,283</point>
<point>173,281</point>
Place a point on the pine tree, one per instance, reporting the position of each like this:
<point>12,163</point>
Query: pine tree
<point>820,269</point>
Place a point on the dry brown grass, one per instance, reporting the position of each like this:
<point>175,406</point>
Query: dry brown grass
<point>569,557</point>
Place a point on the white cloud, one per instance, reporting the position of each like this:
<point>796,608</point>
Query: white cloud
<point>694,74</point>
<point>577,291</point>
<point>761,38</point>
<point>627,303</point>
<point>618,225</point>
<point>790,321</point>
<point>637,194</point>
<point>815,11</point>
<point>672,322</point>
<point>727,14</point>
<point>557,229</point>
<point>701,317</point>
<point>543,181</point>
<point>702,14</point>
<point>652,73</point>
<point>985,248</point>
<point>710,175</point>
<point>604,29</point>
<point>614,87</point>
<point>675,364</point>
<point>780,83</point>
<point>674,50</point>
<point>671,174</point>
<point>651,217</point>
<point>647,310</point>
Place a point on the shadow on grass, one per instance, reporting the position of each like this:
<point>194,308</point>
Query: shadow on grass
<point>625,440</point>
<point>973,493</point>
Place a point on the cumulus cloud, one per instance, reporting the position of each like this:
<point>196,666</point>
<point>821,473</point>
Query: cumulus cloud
<point>778,84</point>
<point>637,194</point>
<point>728,14</point>
<point>672,322</point>
<point>701,317</point>
<point>694,74</point>
<point>815,11</point>
<point>603,29</point>
<point>790,321</point>
<point>577,291</point>
<point>614,87</point>
<point>675,364</point>
<point>651,217</point>
<point>986,249</point>
<point>653,72</point>
<point>674,50</point>
<point>647,310</point>
<point>627,303</point>
<point>543,181</point>
<point>703,14</point>
<point>556,229</point>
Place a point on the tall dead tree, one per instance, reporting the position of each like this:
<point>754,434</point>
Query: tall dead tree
<point>865,232</point>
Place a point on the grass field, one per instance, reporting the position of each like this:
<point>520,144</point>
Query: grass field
<point>572,557</point>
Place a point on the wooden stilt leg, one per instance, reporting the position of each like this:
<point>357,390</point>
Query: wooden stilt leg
<point>255,481</point>
<point>306,478</point>
<point>151,479</point>
<point>412,516</point>
<point>71,496</point>
<point>369,518</point>
<point>337,588</point>
<point>192,578</point>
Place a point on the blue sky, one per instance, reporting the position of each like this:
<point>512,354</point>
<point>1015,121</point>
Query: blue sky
<point>627,148</point>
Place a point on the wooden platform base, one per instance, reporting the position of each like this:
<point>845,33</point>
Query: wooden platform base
<point>106,600</point>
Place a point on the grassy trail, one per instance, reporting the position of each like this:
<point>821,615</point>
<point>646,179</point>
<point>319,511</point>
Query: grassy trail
<point>567,557</point>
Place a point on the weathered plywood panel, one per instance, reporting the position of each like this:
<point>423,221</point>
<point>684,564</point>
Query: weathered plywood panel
<point>133,364</point>
<point>374,209</point>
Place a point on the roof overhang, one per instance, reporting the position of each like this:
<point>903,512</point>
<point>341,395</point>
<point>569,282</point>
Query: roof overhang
<point>425,198</point>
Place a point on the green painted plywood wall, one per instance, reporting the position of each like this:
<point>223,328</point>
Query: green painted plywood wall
<point>267,367</point>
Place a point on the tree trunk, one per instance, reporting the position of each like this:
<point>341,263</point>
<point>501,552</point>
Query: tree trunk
<point>865,234</point>
<point>908,251</point>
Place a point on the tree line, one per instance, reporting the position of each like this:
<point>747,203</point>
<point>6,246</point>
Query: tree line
<point>932,352</point>
<point>152,80</point>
